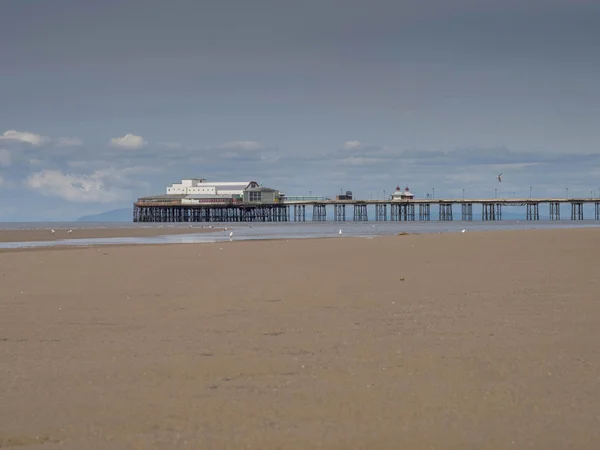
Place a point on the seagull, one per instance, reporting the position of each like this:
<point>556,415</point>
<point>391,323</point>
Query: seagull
<point>53,231</point>
<point>231,234</point>
<point>463,230</point>
<point>340,232</point>
<point>70,231</point>
<point>190,226</point>
<point>500,178</point>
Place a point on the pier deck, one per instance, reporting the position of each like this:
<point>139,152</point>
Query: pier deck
<point>172,210</point>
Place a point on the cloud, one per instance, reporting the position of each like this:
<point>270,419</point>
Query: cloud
<point>101,186</point>
<point>37,140</point>
<point>74,188</point>
<point>68,142</point>
<point>24,137</point>
<point>350,145</point>
<point>361,161</point>
<point>358,149</point>
<point>242,145</point>
<point>129,142</point>
<point>5,159</point>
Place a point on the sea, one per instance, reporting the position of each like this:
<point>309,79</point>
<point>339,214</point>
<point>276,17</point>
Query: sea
<point>286,230</point>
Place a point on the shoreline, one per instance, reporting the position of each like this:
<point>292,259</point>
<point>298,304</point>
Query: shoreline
<point>45,234</point>
<point>179,244</point>
<point>224,240</point>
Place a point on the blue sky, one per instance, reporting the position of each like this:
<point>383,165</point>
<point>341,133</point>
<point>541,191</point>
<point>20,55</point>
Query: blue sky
<point>104,102</point>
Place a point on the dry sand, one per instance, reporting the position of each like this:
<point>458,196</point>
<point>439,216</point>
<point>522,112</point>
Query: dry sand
<point>458,341</point>
<point>93,233</point>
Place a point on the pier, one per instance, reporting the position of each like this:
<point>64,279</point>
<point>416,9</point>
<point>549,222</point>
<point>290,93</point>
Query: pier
<point>160,210</point>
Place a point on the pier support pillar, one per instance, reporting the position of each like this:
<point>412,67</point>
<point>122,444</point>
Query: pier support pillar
<point>360,213</point>
<point>597,211</point>
<point>554,211</point>
<point>279,213</point>
<point>576,210</point>
<point>405,211</point>
<point>319,213</point>
<point>339,213</point>
<point>445,211</point>
<point>299,213</point>
<point>395,211</point>
<point>467,211</point>
<point>409,212</point>
<point>491,211</point>
<point>424,211</point>
<point>381,212</point>
<point>533,211</point>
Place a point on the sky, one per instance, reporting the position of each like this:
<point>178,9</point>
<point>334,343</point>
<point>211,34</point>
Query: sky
<point>105,102</point>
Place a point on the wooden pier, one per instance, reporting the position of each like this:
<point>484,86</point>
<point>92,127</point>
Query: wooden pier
<point>162,210</point>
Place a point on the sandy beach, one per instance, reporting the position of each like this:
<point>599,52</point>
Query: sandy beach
<point>93,233</point>
<point>484,340</point>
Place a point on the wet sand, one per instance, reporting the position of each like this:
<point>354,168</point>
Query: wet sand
<point>454,341</point>
<point>93,233</point>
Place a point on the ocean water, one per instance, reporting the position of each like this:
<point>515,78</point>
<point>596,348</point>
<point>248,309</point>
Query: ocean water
<point>290,230</point>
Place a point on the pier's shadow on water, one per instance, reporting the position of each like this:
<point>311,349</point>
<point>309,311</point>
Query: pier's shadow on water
<point>291,230</point>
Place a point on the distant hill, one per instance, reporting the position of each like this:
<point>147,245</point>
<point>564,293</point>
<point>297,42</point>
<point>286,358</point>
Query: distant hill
<point>115,215</point>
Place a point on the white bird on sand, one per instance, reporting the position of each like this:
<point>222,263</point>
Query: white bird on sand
<point>463,230</point>
<point>190,226</point>
<point>340,232</point>
<point>52,231</point>
<point>231,234</point>
<point>70,231</point>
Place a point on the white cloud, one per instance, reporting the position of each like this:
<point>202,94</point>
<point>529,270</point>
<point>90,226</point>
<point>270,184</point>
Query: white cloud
<point>23,136</point>
<point>5,159</point>
<point>361,161</point>
<point>350,145</point>
<point>129,142</point>
<point>100,186</point>
<point>37,140</point>
<point>75,188</point>
<point>270,158</point>
<point>68,142</point>
<point>242,145</point>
